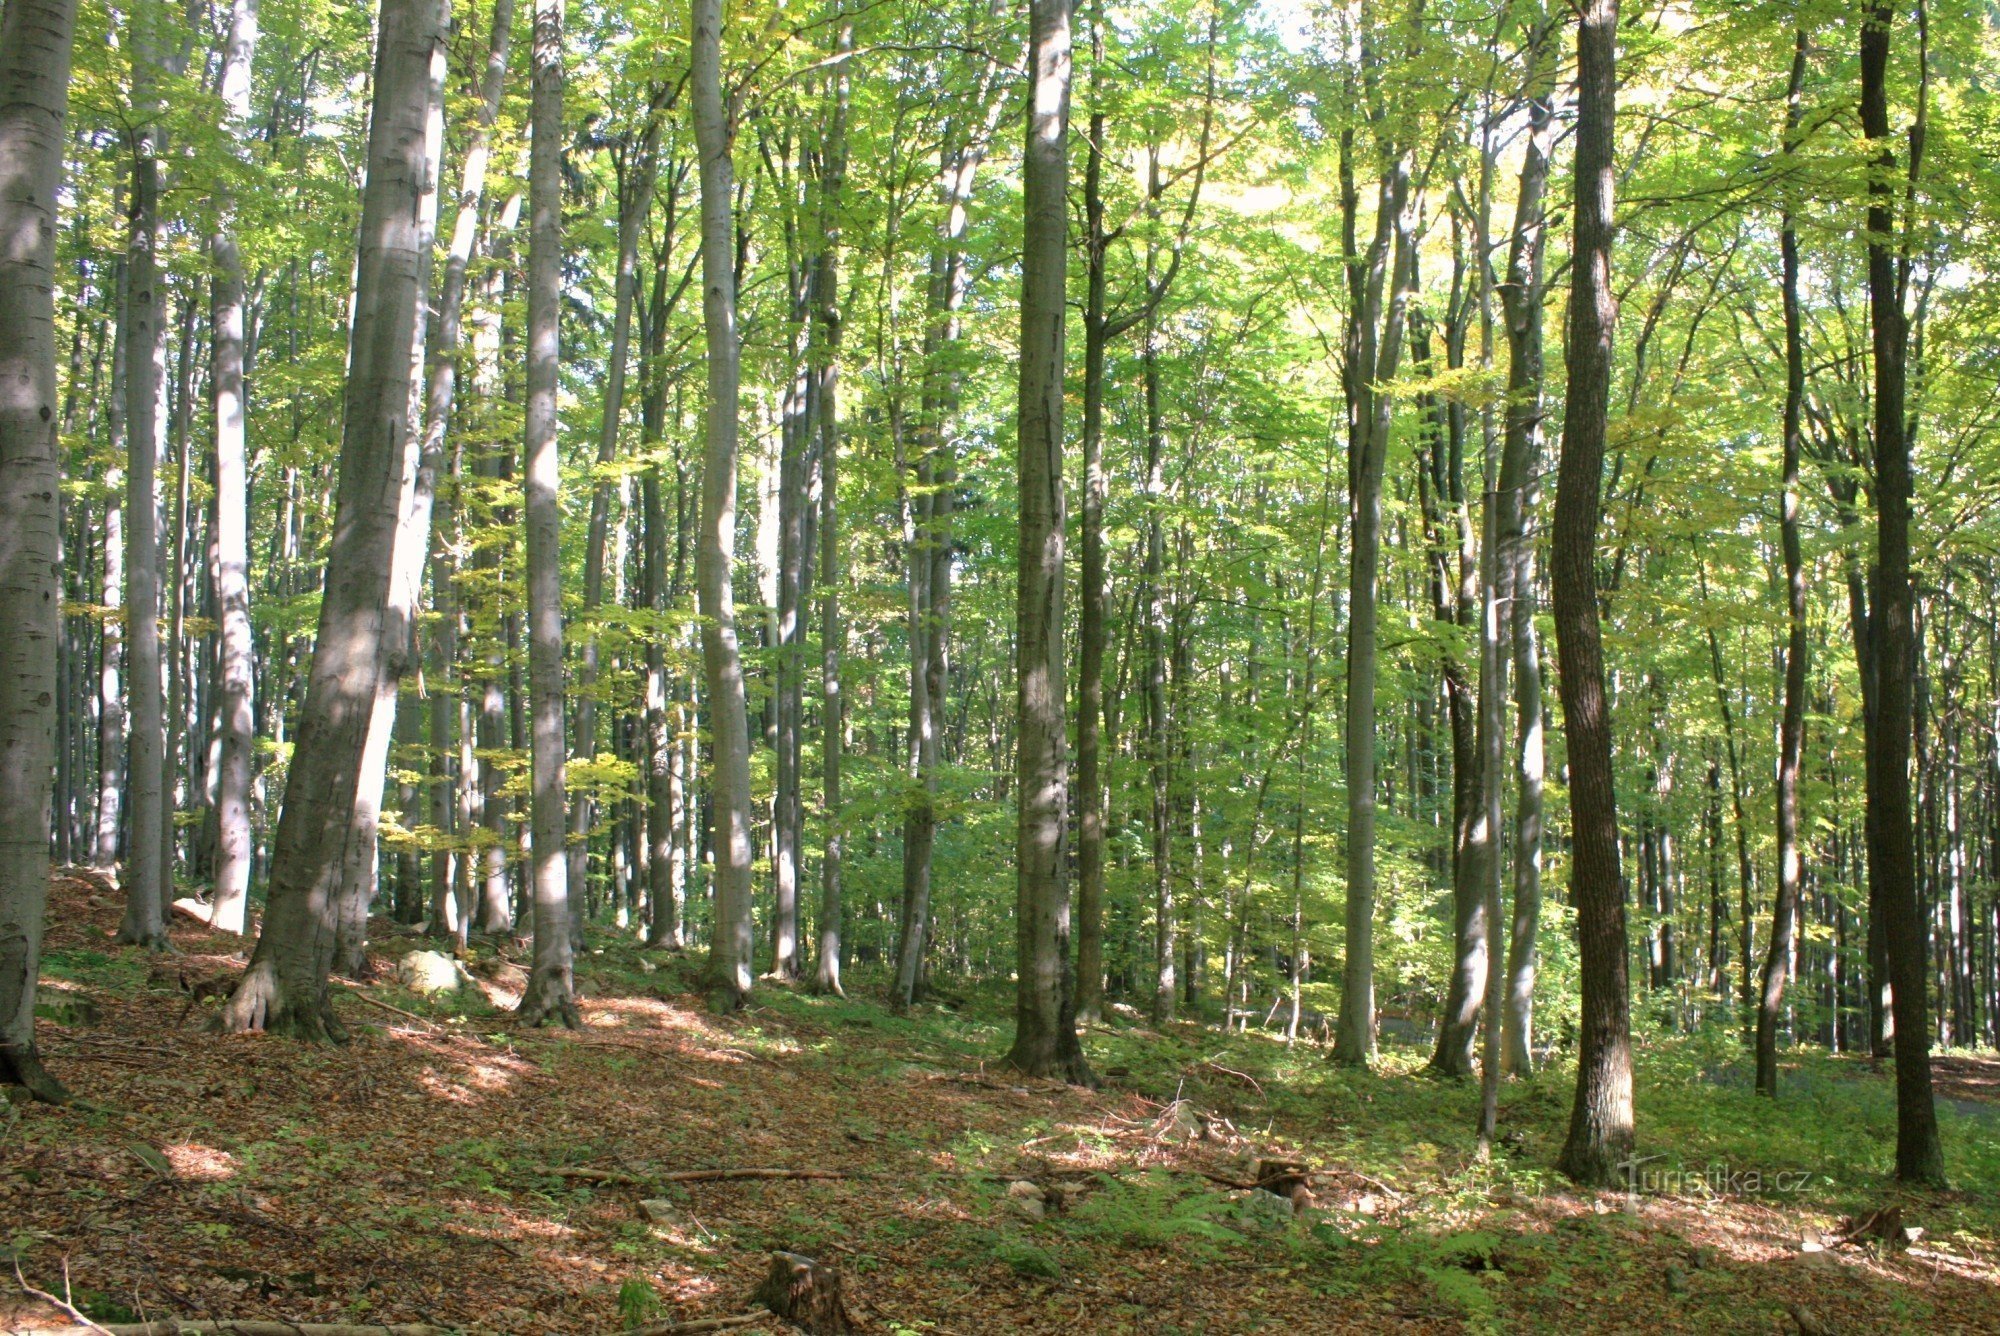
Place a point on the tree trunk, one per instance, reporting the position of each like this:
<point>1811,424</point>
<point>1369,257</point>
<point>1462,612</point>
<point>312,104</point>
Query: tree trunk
<point>363,621</point>
<point>1045,1038</point>
<point>635,195</point>
<point>833,181</point>
<point>235,665</point>
<point>1919,1158</point>
<point>729,725</point>
<point>1522,298</point>
<point>551,990</point>
<point>1792,726</point>
<point>145,374</point>
<point>111,707</point>
<point>1374,357</point>
<point>35,46</point>
<point>1600,1130</point>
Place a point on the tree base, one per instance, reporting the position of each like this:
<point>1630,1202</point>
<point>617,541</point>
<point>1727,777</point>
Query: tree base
<point>262,1004</point>
<point>803,1291</point>
<point>23,1067</point>
<point>548,997</point>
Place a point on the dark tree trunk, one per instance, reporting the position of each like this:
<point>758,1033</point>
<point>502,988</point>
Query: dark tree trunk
<point>1600,1131</point>
<point>1919,1157</point>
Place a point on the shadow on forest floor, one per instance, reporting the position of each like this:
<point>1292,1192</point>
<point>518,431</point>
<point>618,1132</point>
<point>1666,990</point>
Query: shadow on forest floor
<point>450,1167</point>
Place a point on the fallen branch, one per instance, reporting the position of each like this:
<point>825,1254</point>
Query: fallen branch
<point>1244,1077</point>
<point>226,1327</point>
<point>51,1299</point>
<point>378,1002</point>
<point>699,1324</point>
<point>692,1175</point>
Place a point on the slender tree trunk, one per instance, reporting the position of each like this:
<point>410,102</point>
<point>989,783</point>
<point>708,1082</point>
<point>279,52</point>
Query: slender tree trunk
<point>111,708</point>
<point>1792,726</point>
<point>35,45</point>
<point>635,195</point>
<point>363,621</point>
<point>1045,1038</point>
<point>1379,354</point>
<point>833,181</point>
<point>551,991</point>
<point>1155,637</point>
<point>235,663</point>
<point>440,394</point>
<point>1919,1158</point>
<point>1600,1131</point>
<point>1093,592</point>
<point>729,726</point>
<point>1520,466</point>
<point>145,376</point>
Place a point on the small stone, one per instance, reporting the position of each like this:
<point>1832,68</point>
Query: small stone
<point>660,1211</point>
<point>1676,1279</point>
<point>430,972</point>
<point>1025,1199</point>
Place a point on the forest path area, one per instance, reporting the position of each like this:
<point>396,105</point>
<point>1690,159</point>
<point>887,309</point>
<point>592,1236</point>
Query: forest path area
<point>450,1168</point>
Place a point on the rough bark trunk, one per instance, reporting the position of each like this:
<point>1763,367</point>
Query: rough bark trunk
<point>729,725</point>
<point>363,624</point>
<point>1919,1157</point>
<point>1600,1131</point>
<point>1045,1038</point>
<point>551,990</point>
<point>36,39</point>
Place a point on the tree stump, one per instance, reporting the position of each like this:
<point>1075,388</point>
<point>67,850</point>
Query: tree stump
<point>801,1290</point>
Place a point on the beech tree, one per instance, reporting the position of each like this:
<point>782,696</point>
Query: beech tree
<point>35,44</point>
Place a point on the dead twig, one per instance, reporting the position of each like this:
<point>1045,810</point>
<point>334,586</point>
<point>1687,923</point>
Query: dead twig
<point>75,1313</point>
<point>699,1324</point>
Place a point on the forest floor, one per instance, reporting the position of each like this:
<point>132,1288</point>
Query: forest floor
<point>461,1171</point>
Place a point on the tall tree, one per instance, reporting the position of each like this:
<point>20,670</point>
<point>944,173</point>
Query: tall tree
<point>1600,1128</point>
<point>1792,722</point>
<point>36,37</point>
<point>1919,1157</point>
<point>145,318</point>
<point>1045,1038</point>
<point>364,612</point>
<point>833,715</point>
<point>1521,301</point>
<point>236,710</point>
<point>1373,352</point>
<point>729,724</point>
<point>551,990</point>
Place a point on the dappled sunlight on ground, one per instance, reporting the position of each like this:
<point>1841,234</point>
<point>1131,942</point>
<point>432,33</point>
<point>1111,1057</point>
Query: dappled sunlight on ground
<point>469,1172</point>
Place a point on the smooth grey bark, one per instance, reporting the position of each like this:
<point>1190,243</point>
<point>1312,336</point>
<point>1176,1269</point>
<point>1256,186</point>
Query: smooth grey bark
<point>1600,1130</point>
<point>145,318</point>
<point>36,40</point>
<point>1521,301</point>
<point>551,990</point>
<point>364,619</point>
<point>1375,351</point>
<point>729,964</point>
<point>833,183</point>
<point>441,387</point>
<point>235,669</point>
<point>960,158</point>
<point>635,195</point>
<point>360,879</point>
<point>111,706</point>
<point>1045,1038</point>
